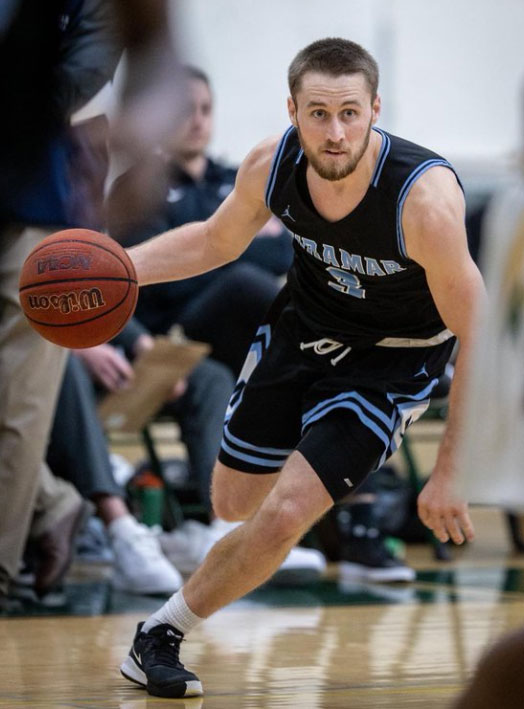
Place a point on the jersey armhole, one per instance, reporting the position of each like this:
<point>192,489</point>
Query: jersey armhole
<point>384,151</point>
<point>406,187</point>
<point>277,156</point>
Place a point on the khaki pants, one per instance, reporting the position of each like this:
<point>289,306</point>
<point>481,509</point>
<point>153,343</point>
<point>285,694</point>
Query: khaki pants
<point>31,498</point>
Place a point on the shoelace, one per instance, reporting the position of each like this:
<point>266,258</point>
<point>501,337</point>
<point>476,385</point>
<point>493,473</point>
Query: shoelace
<point>166,644</point>
<point>325,346</point>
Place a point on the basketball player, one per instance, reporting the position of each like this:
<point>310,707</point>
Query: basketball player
<point>381,284</point>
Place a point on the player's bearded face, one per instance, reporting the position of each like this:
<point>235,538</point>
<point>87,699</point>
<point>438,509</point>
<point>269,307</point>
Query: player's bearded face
<point>334,116</point>
<point>335,160</point>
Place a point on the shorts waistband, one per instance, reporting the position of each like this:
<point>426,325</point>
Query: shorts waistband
<point>437,339</point>
<point>325,345</point>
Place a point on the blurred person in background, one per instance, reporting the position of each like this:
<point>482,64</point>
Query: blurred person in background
<point>222,307</point>
<point>59,54</point>
<point>56,56</point>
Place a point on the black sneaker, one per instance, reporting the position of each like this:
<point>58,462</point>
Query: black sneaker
<point>369,559</point>
<point>153,663</point>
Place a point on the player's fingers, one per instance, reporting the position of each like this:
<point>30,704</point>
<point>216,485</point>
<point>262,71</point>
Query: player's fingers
<point>454,530</point>
<point>428,515</point>
<point>438,525</point>
<point>425,518</point>
<point>467,525</point>
<point>423,511</point>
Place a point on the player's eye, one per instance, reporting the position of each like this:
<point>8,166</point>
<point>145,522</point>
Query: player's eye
<point>318,113</point>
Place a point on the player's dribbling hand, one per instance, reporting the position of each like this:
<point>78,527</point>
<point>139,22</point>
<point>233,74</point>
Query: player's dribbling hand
<point>441,511</point>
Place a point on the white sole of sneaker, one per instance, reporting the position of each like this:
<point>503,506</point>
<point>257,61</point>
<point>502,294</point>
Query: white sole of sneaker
<point>348,571</point>
<point>131,671</point>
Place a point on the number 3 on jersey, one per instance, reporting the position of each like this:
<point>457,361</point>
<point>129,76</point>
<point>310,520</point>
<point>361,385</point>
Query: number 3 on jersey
<point>346,282</point>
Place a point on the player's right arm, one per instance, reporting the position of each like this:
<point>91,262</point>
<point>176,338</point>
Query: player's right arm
<point>202,246</point>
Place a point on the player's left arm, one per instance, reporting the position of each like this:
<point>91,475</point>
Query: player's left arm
<point>435,237</point>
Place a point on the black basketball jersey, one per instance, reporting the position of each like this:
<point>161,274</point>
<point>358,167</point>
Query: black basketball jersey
<point>351,280</point>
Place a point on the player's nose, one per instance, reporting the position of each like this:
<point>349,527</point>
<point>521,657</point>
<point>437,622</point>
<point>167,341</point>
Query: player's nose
<point>335,131</point>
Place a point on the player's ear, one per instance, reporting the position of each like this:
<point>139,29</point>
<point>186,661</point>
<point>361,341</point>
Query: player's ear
<point>292,110</point>
<point>376,106</point>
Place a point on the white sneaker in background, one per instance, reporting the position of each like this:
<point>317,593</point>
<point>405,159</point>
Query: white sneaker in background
<point>187,546</point>
<point>139,564</point>
<point>301,566</point>
<point>121,468</point>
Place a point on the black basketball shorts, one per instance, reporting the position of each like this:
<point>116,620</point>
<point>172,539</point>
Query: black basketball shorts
<point>346,410</point>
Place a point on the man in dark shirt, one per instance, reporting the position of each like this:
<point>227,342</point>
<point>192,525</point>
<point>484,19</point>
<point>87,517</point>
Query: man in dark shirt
<point>225,306</point>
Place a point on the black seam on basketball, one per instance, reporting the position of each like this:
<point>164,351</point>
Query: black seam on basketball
<point>81,322</point>
<point>78,280</point>
<point>89,243</point>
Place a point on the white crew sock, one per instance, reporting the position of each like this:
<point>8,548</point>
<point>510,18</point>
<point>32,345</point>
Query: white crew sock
<point>175,612</point>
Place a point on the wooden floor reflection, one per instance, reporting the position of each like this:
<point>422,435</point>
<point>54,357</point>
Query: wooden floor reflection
<point>395,656</point>
<point>362,648</point>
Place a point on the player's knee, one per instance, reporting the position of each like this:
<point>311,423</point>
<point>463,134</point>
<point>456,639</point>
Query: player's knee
<point>283,520</point>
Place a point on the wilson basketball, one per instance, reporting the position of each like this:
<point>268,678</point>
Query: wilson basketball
<point>78,288</point>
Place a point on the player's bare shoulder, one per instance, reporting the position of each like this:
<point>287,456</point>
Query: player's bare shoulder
<point>436,194</point>
<point>254,170</point>
<point>433,213</point>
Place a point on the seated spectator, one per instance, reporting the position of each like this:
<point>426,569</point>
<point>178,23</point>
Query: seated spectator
<point>78,450</point>
<point>225,306</point>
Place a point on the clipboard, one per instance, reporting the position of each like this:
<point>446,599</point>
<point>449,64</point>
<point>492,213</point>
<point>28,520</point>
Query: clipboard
<point>156,372</point>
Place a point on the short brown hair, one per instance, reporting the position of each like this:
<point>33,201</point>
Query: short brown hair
<point>194,72</point>
<point>333,56</point>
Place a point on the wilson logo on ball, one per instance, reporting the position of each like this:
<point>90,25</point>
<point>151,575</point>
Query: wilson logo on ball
<point>63,263</point>
<point>68,302</point>
<point>78,287</point>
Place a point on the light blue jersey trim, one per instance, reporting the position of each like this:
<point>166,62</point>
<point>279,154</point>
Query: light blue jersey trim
<point>385,438</point>
<point>251,458</point>
<point>385,428</point>
<point>402,426</point>
<point>415,397</point>
<point>408,184</point>
<point>412,402</point>
<point>265,330</point>
<point>274,164</point>
<point>258,347</point>
<point>283,452</point>
<point>384,150</point>
<point>332,403</point>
